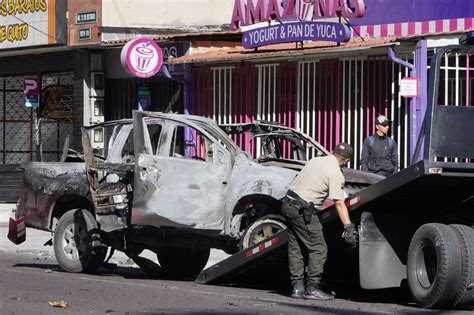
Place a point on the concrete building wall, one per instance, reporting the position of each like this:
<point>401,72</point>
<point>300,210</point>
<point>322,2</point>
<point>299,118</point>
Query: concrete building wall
<point>166,13</point>
<point>78,29</point>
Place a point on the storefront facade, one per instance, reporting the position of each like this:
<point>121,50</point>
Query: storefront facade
<point>34,61</point>
<point>101,28</point>
<point>330,99</point>
<point>334,92</point>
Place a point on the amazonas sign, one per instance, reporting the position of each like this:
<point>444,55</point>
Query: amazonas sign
<point>248,12</point>
<point>296,32</point>
<point>298,15</point>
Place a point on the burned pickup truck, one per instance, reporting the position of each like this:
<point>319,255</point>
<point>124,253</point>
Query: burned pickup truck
<point>176,185</point>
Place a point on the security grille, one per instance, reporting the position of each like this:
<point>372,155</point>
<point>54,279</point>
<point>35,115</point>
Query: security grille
<point>456,79</point>
<point>19,128</point>
<point>338,101</point>
<point>331,100</point>
<point>222,111</point>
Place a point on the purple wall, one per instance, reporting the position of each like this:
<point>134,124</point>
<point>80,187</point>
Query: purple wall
<point>399,11</point>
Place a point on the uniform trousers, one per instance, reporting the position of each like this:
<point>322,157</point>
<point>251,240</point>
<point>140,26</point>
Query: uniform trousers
<point>305,243</point>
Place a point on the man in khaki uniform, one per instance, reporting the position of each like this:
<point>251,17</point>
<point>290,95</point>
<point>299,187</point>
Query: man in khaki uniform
<point>321,178</point>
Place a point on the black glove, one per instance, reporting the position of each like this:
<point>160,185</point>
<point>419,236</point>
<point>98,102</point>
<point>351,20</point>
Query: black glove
<point>350,234</point>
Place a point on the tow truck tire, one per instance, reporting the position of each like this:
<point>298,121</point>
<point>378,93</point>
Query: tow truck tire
<point>434,266</point>
<point>261,229</point>
<point>465,294</point>
<point>183,263</point>
<point>77,245</point>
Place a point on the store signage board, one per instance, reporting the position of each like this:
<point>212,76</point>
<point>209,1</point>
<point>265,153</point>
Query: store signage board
<point>32,23</point>
<point>249,12</point>
<point>84,33</point>
<point>85,17</point>
<point>391,11</point>
<point>294,20</point>
<point>141,57</point>
<point>174,50</point>
<point>296,32</point>
<point>31,89</point>
<point>409,87</point>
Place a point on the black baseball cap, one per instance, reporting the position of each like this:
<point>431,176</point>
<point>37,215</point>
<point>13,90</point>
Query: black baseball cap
<point>382,120</point>
<point>344,149</point>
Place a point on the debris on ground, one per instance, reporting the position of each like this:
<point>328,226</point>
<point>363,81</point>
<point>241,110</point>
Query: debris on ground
<point>60,304</point>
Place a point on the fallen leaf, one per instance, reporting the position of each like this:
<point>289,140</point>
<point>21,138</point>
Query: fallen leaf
<point>61,304</point>
<point>48,270</point>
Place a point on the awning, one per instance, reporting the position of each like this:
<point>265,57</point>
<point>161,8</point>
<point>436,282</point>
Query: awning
<point>202,53</point>
<point>119,39</point>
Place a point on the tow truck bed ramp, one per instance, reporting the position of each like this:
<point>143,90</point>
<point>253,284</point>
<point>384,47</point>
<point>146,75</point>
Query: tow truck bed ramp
<point>268,256</point>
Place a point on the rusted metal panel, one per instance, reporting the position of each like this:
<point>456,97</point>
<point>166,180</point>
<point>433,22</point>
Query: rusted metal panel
<point>44,183</point>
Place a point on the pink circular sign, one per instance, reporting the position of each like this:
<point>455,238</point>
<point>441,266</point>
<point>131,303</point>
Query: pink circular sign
<point>141,57</point>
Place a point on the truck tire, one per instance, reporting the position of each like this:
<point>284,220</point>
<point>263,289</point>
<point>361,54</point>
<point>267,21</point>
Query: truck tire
<point>182,263</point>
<point>261,229</point>
<point>77,245</point>
<point>434,266</point>
<point>465,294</point>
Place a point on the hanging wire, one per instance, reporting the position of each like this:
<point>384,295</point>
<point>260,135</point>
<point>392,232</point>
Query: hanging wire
<point>352,26</point>
<point>35,28</point>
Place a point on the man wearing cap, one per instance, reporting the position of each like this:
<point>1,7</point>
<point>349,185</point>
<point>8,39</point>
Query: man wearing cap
<point>379,153</point>
<point>321,178</point>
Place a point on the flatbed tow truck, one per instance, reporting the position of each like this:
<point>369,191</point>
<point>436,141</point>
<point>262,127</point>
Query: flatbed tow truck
<point>415,226</point>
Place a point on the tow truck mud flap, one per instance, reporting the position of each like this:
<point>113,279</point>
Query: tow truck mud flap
<point>241,262</point>
<point>379,265</point>
<point>17,230</point>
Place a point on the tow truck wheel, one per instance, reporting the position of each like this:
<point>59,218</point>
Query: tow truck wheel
<point>183,263</point>
<point>434,266</point>
<point>261,229</point>
<point>77,242</point>
<point>465,293</point>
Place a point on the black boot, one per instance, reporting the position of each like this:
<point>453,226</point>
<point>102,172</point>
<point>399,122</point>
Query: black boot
<point>298,289</point>
<point>314,293</point>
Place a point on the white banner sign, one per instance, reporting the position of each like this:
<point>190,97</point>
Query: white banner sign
<point>409,87</point>
<point>27,23</point>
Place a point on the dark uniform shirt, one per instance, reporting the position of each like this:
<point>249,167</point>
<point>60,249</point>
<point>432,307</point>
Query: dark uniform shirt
<point>379,156</point>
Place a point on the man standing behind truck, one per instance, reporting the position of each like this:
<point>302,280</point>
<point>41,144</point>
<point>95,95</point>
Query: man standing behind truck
<point>321,178</point>
<point>379,153</point>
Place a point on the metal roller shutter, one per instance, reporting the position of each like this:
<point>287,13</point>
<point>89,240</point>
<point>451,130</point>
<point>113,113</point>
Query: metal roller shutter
<point>10,183</point>
<point>28,64</point>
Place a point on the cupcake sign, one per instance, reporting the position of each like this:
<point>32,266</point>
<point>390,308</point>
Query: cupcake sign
<point>141,57</point>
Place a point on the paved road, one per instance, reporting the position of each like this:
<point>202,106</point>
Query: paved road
<point>30,278</point>
<point>30,281</point>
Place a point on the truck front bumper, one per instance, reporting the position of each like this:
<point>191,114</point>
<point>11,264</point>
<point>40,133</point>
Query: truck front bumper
<point>17,228</point>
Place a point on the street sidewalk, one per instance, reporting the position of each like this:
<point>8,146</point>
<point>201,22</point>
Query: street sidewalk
<point>5,211</point>
<point>35,240</point>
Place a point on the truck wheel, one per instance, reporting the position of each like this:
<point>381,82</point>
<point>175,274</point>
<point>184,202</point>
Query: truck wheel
<point>465,294</point>
<point>77,242</point>
<point>261,229</point>
<point>434,266</point>
<point>183,263</point>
